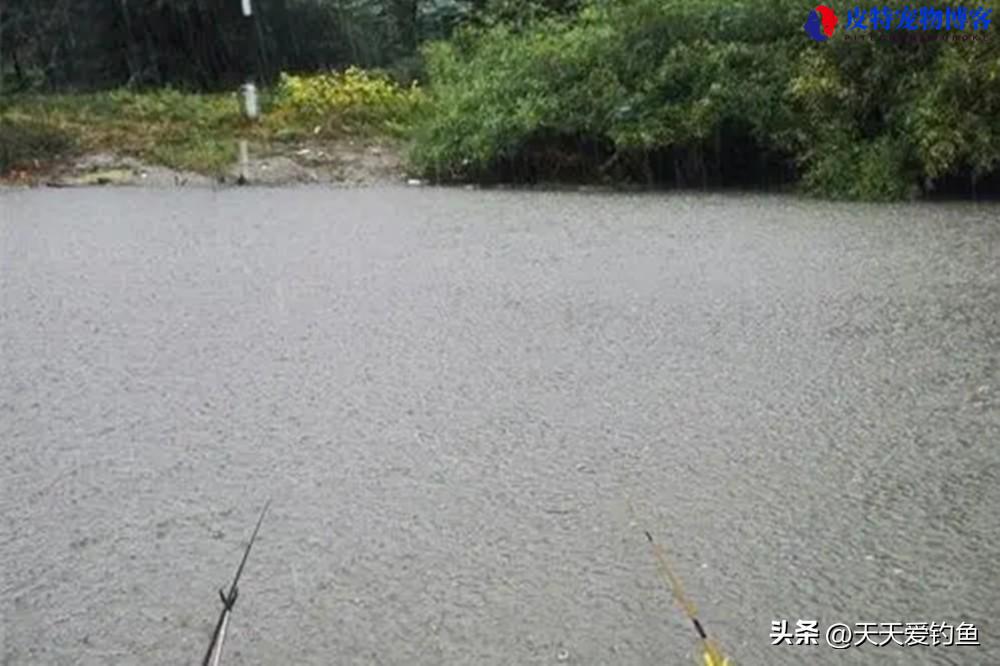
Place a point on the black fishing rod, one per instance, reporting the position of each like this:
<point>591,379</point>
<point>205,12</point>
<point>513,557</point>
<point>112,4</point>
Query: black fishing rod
<point>214,653</point>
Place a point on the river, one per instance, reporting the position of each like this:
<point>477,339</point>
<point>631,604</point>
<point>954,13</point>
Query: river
<point>454,396</point>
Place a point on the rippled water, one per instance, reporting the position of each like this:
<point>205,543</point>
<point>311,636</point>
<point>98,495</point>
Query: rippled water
<point>451,396</point>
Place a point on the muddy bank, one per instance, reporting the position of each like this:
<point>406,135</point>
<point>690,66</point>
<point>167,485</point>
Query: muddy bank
<point>345,162</point>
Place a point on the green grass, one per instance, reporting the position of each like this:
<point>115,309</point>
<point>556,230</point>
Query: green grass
<point>190,131</point>
<point>26,142</point>
<point>179,130</point>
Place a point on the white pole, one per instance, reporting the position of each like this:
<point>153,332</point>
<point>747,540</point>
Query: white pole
<point>251,110</point>
<point>250,106</point>
<point>244,162</point>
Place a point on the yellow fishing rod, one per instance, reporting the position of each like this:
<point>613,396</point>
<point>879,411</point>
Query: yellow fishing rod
<point>711,654</point>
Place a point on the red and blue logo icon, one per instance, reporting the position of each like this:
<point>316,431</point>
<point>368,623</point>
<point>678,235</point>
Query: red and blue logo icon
<point>821,23</point>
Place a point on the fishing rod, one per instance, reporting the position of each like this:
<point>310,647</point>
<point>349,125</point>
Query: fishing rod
<point>711,653</point>
<point>214,653</point>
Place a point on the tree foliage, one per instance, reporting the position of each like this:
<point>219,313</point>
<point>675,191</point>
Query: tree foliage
<point>208,44</point>
<point>710,92</point>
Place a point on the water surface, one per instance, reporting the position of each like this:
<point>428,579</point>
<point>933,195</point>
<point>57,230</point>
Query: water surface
<point>451,395</point>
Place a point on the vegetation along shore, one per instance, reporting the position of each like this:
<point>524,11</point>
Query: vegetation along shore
<point>659,93</point>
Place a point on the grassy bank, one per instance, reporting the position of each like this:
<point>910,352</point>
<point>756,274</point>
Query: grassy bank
<point>183,131</point>
<point>198,132</point>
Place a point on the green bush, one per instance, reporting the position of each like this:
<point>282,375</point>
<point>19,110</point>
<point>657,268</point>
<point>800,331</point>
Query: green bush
<point>353,99</point>
<point>955,119</point>
<point>712,92</point>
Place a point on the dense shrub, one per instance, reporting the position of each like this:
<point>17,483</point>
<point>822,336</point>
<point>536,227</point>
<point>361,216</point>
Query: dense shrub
<point>353,98</point>
<point>708,92</point>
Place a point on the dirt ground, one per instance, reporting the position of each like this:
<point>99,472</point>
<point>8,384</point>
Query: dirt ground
<point>342,162</point>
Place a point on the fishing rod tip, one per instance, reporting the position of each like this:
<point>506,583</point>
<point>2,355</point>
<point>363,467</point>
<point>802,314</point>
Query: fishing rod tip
<point>264,510</point>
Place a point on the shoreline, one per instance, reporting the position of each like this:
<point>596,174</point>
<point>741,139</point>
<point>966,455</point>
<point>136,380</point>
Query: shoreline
<point>340,162</point>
